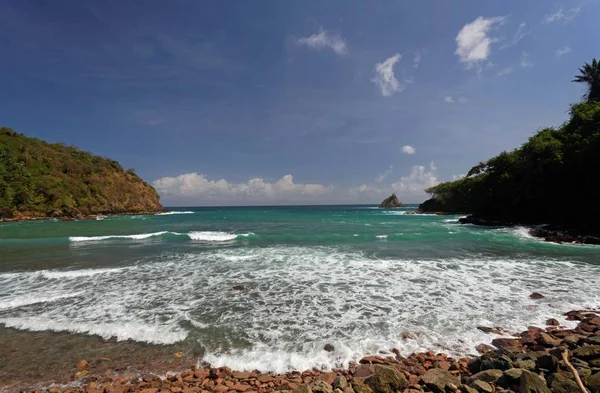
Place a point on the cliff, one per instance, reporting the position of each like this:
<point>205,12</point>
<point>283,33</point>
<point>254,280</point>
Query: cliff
<point>40,179</point>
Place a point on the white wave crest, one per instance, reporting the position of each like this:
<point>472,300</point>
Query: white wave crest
<point>140,236</point>
<point>174,212</point>
<point>216,236</point>
<point>29,299</point>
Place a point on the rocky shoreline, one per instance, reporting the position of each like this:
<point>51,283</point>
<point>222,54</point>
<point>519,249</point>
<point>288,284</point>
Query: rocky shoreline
<point>529,362</point>
<point>80,218</point>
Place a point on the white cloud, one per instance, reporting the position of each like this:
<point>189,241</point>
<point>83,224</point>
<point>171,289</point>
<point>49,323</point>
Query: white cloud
<point>417,60</point>
<point>526,60</point>
<point>562,51</point>
<point>324,39</point>
<point>416,181</point>
<point>561,16</point>
<point>196,187</point>
<point>453,100</point>
<point>385,77</point>
<point>458,177</point>
<point>382,176</point>
<point>449,99</point>
<point>473,42</point>
<point>505,71</point>
<point>432,166</point>
<point>408,149</point>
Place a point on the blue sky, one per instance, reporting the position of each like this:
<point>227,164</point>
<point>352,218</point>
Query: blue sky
<point>260,102</point>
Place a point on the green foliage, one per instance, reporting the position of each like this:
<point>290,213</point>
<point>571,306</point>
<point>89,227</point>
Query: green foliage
<point>532,183</point>
<point>42,179</point>
<point>590,75</point>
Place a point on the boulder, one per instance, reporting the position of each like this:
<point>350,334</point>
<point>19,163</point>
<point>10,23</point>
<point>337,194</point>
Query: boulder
<point>510,378</point>
<point>329,348</point>
<point>340,382</point>
<point>322,387</point>
<point>536,295</point>
<point>526,364</point>
<point>482,387</point>
<point>358,385</point>
<point>561,383</point>
<point>532,383</point>
<point>390,202</point>
<point>386,380</point>
<point>586,353</point>
<point>593,383</point>
<point>304,388</point>
<point>490,376</point>
<point>491,360</point>
<point>438,380</point>
<point>552,322</point>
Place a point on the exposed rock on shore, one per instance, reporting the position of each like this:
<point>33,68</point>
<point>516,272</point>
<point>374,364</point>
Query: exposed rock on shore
<point>530,362</point>
<point>390,202</point>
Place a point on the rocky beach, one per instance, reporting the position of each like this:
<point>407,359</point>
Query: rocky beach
<point>538,360</point>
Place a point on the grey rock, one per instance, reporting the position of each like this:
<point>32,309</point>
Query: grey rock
<point>593,383</point>
<point>340,382</point>
<point>532,383</point>
<point>386,380</point>
<point>586,353</point>
<point>561,383</point>
<point>510,378</point>
<point>438,380</point>
<point>482,387</point>
<point>486,376</point>
<point>527,364</point>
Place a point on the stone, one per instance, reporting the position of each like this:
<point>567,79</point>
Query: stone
<point>467,389</point>
<point>483,348</point>
<point>548,362</point>
<point>509,344</point>
<point>242,387</point>
<point>593,340</point>
<point>510,378</point>
<point>532,383</point>
<point>492,360</point>
<point>552,322</point>
<point>82,364</point>
<point>386,380</point>
<point>329,348</point>
<point>322,387</point>
<point>241,375</point>
<point>363,371</point>
<point>490,376</point>
<point>358,385</point>
<point>585,353</point>
<point>593,383</point>
<point>474,365</point>
<point>437,380</point>
<point>560,383</point>
<point>527,364</point>
<point>340,382</point>
<point>574,315</point>
<point>489,330</point>
<point>239,288</point>
<point>264,378</point>
<point>482,387</point>
<point>371,360</point>
<point>536,295</point>
<point>406,335</point>
<point>348,389</point>
<point>548,340</point>
<point>304,388</point>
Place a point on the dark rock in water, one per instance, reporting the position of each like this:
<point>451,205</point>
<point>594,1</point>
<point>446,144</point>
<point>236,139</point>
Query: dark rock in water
<point>552,322</point>
<point>486,329</point>
<point>239,288</point>
<point>483,221</point>
<point>329,348</point>
<point>391,202</point>
<point>536,295</point>
<point>558,236</point>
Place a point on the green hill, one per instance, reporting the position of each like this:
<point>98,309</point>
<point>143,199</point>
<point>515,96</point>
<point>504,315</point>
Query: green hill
<point>550,179</point>
<point>40,179</point>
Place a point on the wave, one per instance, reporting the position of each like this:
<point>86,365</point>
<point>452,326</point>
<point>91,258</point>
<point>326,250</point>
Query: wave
<point>140,236</point>
<point>174,212</point>
<point>207,236</point>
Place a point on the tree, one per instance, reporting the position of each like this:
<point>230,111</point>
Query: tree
<point>590,75</point>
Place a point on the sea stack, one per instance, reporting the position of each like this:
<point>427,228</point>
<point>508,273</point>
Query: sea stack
<point>390,202</point>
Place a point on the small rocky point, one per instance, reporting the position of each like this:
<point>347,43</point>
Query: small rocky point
<point>528,362</point>
<point>390,202</point>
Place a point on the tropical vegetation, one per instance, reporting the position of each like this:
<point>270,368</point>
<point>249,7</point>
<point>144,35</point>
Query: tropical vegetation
<point>551,178</point>
<point>39,179</point>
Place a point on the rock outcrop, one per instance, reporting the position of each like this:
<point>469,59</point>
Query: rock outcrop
<point>390,202</point>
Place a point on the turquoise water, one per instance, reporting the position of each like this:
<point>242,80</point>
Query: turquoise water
<point>352,276</point>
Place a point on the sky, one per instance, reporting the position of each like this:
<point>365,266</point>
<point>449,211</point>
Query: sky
<point>292,102</point>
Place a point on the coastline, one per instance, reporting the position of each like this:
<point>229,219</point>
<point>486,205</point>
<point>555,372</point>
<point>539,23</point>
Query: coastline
<point>82,218</point>
<point>529,360</point>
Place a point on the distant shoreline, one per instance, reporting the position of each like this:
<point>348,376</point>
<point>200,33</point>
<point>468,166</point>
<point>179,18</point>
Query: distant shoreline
<point>90,217</point>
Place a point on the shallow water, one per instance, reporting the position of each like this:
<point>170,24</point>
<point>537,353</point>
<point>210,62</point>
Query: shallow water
<point>355,277</point>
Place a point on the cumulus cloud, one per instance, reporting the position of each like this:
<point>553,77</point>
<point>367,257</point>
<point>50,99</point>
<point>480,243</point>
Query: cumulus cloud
<point>561,16</point>
<point>408,149</point>
<point>382,176</point>
<point>473,42</point>
<point>385,77</point>
<point>526,60</point>
<point>562,51</point>
<point>505,71</point>
<point>197,187</point>
<point>322,40</point>
<point>458,177</point>
<point>449,99</point>
<point>417,180</point>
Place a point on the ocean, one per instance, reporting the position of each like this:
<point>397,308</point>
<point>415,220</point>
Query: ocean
<point>355,277</point>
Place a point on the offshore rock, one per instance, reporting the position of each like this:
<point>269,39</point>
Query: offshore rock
<point>390,202</point>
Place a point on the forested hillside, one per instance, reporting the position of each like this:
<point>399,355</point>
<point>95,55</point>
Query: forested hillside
<point>39,179</point>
